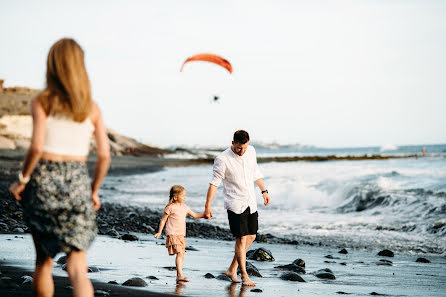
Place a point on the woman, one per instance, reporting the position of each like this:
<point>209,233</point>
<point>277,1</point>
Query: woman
<point>59,203</point>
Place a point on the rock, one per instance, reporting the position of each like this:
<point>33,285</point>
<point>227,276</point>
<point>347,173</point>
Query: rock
<point>292,276</point>
<point>62,260</point>
<point>113,282</point>
<point>342,293</point>
<point>224,277</point>
<point>260,254</point>
<point>191,248</point>
<point>152,277</point>
<point>101,293</point>
<point>129,237</point>
<point>26,279</point>
<point>251,270</point>
<point>18,230</point>
<point>343,264</point>
<point>331,257</point>
<point>171,268</point>
<point>93,269</point>
<point>135,282</point>
<point>113,233</point>
<point>291,267</point>
<point>299,262</point>
<point>375,294</point>
<point>257,290</point>
<point>386,253</point>
<point>324,274</point>
<point>384,262</point>
<point>422,260</point>
<point>343,251</point>
<point>209,275</point>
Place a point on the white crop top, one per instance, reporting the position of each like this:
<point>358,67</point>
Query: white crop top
<point>67,137</point>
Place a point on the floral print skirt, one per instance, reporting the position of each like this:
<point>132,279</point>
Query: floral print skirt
<point>58,209</point>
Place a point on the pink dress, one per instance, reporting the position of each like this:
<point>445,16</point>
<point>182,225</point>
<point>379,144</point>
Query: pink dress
<point>176,227</point>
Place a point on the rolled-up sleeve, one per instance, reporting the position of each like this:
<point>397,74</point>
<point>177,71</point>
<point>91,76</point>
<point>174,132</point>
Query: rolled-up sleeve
<point>218,172</point>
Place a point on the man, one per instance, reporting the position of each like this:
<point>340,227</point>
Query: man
<point>237,168</point>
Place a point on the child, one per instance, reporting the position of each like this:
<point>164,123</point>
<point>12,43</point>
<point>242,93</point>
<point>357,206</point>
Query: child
<point>175,215</point>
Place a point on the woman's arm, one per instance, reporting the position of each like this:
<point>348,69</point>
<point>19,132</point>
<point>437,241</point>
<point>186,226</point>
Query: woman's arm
<point>162,223</point>
<point>103,155</point>
<point>34,152</point>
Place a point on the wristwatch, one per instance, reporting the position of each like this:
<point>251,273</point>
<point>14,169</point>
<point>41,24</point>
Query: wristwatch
<point>22,179</point>
<point>265,191</point>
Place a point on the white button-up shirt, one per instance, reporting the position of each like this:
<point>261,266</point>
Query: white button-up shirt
<point>238,174</point>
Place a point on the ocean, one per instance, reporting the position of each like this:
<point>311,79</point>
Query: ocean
<point>398,204</point>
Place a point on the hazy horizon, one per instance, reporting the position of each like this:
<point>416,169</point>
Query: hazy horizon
<point>323,73</point>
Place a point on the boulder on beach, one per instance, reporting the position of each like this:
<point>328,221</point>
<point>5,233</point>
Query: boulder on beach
<point>251,270</point>
<point>299,262</point>
<point>62,260</point>
<point>343,251</point>
<point>224,277</point>
<point>260,254</point>
<point>135,282</point>
<point>291,267</point>
<point>209,275</point>
<point>422,260</point>
<point>129,237</point>
<point>386,253</point>
<point>325,273</point>
<point>292,276</point>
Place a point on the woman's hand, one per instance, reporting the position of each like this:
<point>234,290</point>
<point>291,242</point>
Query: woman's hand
<point>96,201</point>
<point>157,234</point>
<point>16,189</point>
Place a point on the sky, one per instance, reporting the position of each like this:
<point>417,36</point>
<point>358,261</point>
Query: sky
<point>325,73</point>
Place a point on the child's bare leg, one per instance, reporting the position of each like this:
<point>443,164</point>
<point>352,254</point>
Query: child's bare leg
<point>232,270</point>
<point>179,263</point>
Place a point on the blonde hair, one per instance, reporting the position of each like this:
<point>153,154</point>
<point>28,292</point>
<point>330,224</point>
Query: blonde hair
<point>174,192</point>
<point>67,91</point>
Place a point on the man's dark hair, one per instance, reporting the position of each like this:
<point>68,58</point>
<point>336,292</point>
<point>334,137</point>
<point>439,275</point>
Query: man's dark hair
<point>241,136</point>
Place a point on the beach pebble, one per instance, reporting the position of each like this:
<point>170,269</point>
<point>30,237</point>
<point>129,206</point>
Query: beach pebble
<point>260,254</point>
<point>343,264</point>
<point>224,277</point>
<point>152,277</point>
<point>62,260</point>
<point>209,275</point>
<point>129,237</point>
<point>299,262</point>
<point>376,294</point>
<point>291,267</point>
<point>191,248</point>
<point>386,253</point>
<point>251,270</point>
<point>331,257</point>
<point>292,276</point>
<point>257,290</point>
<point>423,260</point>
<point>101,293</point>
<point>135,282</point>
<point>343,251</point>
<point>113,282</point>
<point>325,273</point>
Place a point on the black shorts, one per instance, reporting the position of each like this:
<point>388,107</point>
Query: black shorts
<point>243,224</point>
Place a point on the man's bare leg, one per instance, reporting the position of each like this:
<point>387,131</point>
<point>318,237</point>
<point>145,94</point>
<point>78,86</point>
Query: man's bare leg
<point>232,270</point>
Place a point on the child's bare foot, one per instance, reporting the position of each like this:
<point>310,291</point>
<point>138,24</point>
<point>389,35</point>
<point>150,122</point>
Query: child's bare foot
<point>232,275</point>
<point>247,282</point>
<point>182,279</point>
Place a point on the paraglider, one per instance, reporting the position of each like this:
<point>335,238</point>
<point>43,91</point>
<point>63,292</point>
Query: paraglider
<point>209,58</point>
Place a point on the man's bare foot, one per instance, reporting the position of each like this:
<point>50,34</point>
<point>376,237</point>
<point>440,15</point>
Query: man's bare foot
<point>247,282</point>
<point>232,275</point>
<point>182,279</point>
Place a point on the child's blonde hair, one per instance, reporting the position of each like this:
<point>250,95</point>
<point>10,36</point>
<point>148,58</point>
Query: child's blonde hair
<point>174,192</point>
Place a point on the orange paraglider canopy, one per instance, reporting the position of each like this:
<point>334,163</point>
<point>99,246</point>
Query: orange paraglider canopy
<point>209,58</point>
